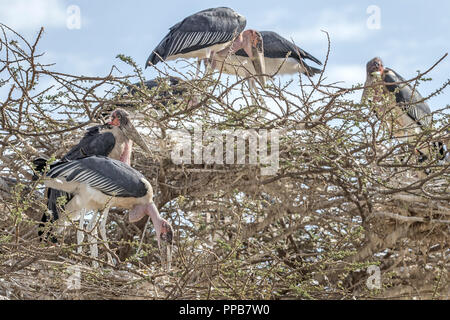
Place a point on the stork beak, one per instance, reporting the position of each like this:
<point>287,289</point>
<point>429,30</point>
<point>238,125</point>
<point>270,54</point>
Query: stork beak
<point>259,65</point>
<point>165,244</point>
<point>165,249</point>
<point>164,234</point>
<point>130,131</point>
<point>257,57</point>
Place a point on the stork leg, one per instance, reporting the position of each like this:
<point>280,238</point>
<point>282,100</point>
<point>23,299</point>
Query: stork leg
<point>103,233</point>
<point>73,211</point>
<point>208,62</point>
<point>199,64</point>
<point>92,235</point>
<point>80,231</point>
<point>211,61</point>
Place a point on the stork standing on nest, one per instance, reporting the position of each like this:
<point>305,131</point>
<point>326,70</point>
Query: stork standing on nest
<point>408,112</point>
<point>114,140</point>
<point>208,32</point>
<point>99,183</point>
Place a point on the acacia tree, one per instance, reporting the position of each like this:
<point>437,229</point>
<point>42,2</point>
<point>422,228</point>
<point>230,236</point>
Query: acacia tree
<point>348,214</point>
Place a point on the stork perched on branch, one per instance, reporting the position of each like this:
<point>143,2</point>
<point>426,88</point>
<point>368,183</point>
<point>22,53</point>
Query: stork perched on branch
<point>171,89</point>
<point>114,140</point>
<point>281,56</point>
<point>99,183</point>
<point>408,112</point>
<point>207,32</point>
<point>173,82</point>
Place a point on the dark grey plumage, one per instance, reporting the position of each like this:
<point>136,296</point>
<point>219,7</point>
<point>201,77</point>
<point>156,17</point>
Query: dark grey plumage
<point>200,30</point>
<point>99,140</point>
<point>412,111</point>
<point>408,98</point>
<point>173,88</point>
<point>94,142</point>
<point>155,83</point>
<point>275,46</point>
<point>109,176</point>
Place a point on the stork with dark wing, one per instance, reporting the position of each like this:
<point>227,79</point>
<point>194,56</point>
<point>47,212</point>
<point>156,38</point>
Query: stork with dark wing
<point>155,94</point>
<point>400,104</point>
<point>281,57</point>
<point>113,139</point>
<point>203,34</point>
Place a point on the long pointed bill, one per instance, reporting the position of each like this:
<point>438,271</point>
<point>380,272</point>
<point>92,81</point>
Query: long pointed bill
<point>255,51</point>
<point>164,233</point>
<point>130,131</point>
<point>165,249</point>
<point>259,64</point>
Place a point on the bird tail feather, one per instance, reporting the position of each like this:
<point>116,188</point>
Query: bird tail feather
<point>53,212</point>
<point>39,166</point>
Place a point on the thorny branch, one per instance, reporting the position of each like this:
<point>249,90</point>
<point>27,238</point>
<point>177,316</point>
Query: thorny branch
<point>347,194</point>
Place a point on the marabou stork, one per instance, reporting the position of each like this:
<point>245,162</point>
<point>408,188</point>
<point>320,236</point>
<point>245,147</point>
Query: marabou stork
<point>208,32</point>
<point>172,82</point>
<point>99,183</point>
<point>276,49</point>
<point>409,111</point>
<point>114,140</point>
<point>170,89</point>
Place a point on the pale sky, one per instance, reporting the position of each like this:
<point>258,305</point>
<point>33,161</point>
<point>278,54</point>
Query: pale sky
<point>412,36</point>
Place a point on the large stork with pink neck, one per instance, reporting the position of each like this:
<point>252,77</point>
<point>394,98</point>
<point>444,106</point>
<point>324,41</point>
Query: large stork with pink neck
<point>99,183</point>
<point>209,33</point>
<point>113,139</point>
<point>401,107</point>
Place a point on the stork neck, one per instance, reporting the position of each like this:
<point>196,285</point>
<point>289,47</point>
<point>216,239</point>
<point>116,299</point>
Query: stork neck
<point>126,154</point>
<point>153,212</point>
<point>238,43</point>
<point>235,46</point>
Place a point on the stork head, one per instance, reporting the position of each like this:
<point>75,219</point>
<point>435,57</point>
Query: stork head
<point>252,43</point>
<point>121,119</point>
<point>163,229</point>
<point>374,65</point>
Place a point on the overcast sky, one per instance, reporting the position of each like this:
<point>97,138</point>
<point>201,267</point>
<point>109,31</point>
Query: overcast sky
<point>410,35</point>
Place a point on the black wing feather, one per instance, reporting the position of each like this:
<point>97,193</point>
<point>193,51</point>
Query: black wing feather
<point>94,142</point>
<point>200,30</point>
<point>408,98</point>
<point>155,83</point>
<point>175,89</point>
<point>275,46</point>
<point>109,176</point>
